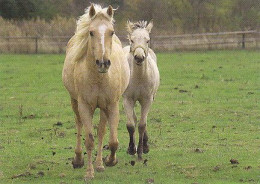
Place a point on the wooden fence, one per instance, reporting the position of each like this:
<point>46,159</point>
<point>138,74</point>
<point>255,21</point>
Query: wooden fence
<point>205,41</point>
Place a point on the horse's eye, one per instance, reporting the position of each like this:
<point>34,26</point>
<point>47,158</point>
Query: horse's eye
<point>91,33</point>
<point>148,41</point>
<point>112,33</point>
<point>132,41</point>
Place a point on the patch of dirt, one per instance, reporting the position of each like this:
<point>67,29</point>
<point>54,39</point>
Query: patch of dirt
<point>61,134</point>
<point>46,162</point>
<point>27,173</point>
<point>183,91</point>
<point>62,175</point>
<point>31,116</point>
<point>234,161</point>
<point>70,147</point>
<point>58,124</point>
<point>248,167</point>
<point>150,180</point>
<point>132,162</point>
<point>40,173</point>
<point>198,150</point>
<point>145,162</point>
<point>216,168</point>
<point>32,166</point>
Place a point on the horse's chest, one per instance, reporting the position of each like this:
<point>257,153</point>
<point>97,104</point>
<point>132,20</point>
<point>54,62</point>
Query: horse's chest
<point>99,96</point>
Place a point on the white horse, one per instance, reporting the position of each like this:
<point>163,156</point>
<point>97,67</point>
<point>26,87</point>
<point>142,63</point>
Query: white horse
<point>143,85</point>
<point>96,74</point>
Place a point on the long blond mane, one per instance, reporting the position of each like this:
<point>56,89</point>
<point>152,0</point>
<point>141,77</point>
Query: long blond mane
<point>79,42</point>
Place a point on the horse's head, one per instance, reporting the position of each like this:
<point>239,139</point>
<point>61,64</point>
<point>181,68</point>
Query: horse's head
<point>139,39</point>
<point>101,32</point>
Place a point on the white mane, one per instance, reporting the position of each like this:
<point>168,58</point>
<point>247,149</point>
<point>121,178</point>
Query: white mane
<point>80,40</point>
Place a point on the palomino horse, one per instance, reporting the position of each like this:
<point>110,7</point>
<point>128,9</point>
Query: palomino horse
<point>95,73</point>
<point>144,82</point>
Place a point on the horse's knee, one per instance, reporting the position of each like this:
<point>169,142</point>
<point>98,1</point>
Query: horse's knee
<point>89,142</point>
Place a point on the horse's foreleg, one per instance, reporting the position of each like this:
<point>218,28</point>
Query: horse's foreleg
<point>78,161</point>
<point>101,133</point>
<point>113,120</point>
<point>131,123</point>
<point>86,115</point>
<point>143,138</point>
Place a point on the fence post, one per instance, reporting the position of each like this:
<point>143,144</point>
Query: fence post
<point>243,40</point>
<point>36,45</point>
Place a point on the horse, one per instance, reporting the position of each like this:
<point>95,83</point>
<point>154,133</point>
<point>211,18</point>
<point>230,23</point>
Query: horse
<point>143,85</point>
<point>95,73</point>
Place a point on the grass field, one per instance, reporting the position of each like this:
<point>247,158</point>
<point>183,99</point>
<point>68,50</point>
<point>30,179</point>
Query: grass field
<point>206,112</point>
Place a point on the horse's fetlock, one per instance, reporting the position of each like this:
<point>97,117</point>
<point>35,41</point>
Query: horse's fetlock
<point>113,146</point>
<point>141,128</point>
<point>131,129</point>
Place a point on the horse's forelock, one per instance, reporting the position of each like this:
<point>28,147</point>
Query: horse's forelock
<point>140,25</point>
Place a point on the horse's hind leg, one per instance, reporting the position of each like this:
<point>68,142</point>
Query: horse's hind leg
<point>143,138</point>
<point>78,161</point>
<point>101,133</point>
<point>145,142</point>
<point>131,122</point>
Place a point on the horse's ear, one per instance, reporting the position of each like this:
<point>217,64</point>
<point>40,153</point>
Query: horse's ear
<point>129,26</point>
<point>110,11</point>
<point>149,26</point>
<point>92,11</point>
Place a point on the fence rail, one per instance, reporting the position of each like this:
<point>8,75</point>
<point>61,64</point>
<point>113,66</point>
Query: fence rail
<point>204,41</point>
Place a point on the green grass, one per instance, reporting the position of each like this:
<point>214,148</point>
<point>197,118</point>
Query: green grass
<point>206,100</point>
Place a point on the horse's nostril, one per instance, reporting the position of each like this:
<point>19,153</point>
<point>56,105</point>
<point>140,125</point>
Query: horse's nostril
<point>97,62</point>
<point>136,57</point>
<point>108,63</point>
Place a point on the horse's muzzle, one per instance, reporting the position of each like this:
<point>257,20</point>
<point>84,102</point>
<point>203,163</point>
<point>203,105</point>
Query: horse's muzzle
<point>139,59</point>
<point>103,66</point>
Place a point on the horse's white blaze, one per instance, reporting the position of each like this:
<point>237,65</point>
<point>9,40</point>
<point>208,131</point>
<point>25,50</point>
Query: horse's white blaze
<point>102,29</point>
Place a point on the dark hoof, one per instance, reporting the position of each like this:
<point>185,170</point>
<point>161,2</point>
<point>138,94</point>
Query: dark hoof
<point>145,149</point>
<point>131,150</point>
<point>77,163</point>
<point>109,162</point>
